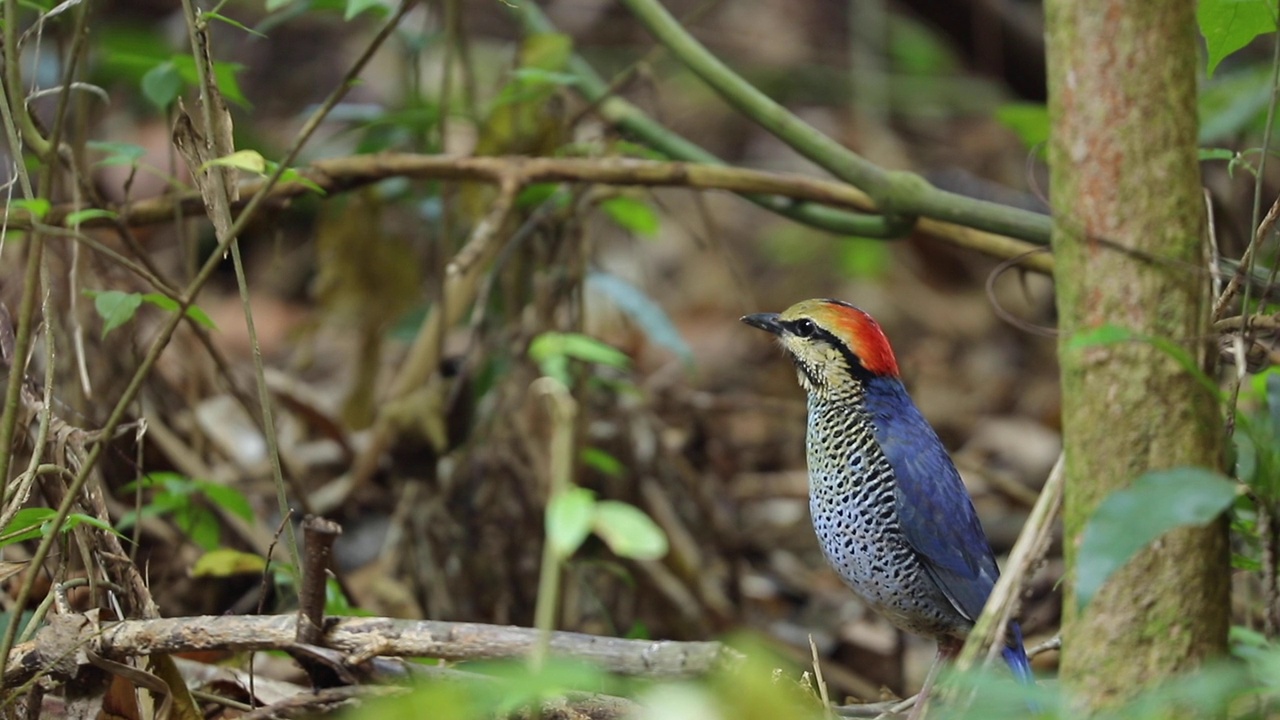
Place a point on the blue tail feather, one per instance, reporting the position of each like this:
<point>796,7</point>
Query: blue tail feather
<point>1016,656</point>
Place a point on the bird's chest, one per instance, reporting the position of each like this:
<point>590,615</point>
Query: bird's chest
<point>853,504</point>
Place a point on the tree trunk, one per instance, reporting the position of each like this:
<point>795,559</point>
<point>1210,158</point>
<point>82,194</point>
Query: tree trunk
<point>1129,227</point>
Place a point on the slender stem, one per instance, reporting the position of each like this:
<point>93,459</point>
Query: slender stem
<point>563,411</point>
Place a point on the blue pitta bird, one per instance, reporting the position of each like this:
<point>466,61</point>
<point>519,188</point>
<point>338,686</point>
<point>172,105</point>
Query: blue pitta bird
<point>888,505</point>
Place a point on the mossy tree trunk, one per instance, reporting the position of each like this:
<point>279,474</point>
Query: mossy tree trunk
<point>1128,239</point>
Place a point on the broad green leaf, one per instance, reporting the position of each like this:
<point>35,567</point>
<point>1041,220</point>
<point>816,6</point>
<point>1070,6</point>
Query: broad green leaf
<point>646,313</point>
<point>569,517</point>
<point>247,160</point>
<point>162,84</point>
<point>1229,25</point>
<point>225,562</point>
<point>632,214</point>
<point>36,207</point>
<point>25,525</point>
<point>1131,518</point>
<point>628,531</point>
<point>116,308</point>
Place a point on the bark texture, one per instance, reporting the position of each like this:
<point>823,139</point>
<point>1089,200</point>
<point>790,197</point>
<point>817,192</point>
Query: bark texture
<point>1128,245</point>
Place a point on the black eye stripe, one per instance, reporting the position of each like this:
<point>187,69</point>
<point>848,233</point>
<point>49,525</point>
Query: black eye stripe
<point>804,327</point>
<point>808,329</point>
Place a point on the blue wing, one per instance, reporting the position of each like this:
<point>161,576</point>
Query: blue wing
<point>934,509</point>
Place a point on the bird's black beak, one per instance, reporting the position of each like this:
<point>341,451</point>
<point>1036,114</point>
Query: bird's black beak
<point>769,322</point>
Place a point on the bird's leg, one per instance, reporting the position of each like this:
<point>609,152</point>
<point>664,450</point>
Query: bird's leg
<point>948,649</point>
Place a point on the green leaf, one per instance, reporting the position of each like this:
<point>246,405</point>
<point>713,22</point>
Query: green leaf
<point>247,160</point>
<point>75,519</point>
<point>224,75</point>
<point>1229,25</point>
<point>569,517</point>
<point>539,76</point>
<point>227,498</point>
<point>233,23</point>
<point>1234,102</point>
<point>25,525</point>
<point>601,461</point>
<point>83,216</point>
<point>164,302</point>
<point>864,258</point>
<point>1131,518</point>
<point>355,7</point>
<point>118,153</point>
<point>1105,334</point>
<point>628,532</point>
<point>589,349</point>
<point>632,214</point>
<point>36,207</point>
<point>292,175</point>
<point>116,308</point>
<point>1029,121</point>
<point>1217,154</point>
<point>646,313</point>
<point>225,562</point>
<point>550,350</point>
<point>162,84</point>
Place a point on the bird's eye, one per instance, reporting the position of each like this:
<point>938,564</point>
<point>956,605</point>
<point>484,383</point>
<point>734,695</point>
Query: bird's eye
<point>804,328</point>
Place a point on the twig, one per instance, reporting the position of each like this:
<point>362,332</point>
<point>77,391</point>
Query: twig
<point>989,629</point>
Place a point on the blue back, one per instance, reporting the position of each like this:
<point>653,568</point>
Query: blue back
<point>934,509</point>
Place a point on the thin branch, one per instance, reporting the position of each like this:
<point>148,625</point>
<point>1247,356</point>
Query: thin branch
<point>55,647</point>
<point>344,174</point>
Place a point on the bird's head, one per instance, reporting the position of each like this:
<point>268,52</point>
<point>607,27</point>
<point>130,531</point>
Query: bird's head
<point>833,343</point>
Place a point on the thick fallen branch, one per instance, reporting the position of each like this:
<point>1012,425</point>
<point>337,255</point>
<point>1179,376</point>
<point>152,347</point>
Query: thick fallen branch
<point>55,649</point>
<point>347,173</point>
